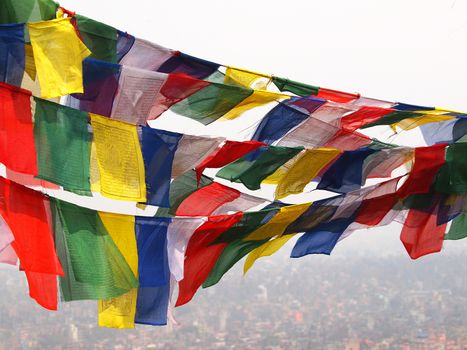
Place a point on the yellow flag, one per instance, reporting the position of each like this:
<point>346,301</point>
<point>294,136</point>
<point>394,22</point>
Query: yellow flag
<point>266,249</point>
<point>246,78</point>
<point>256,81</point>
<point>94,170</point>
<point>277,176</point>
<point>305,169</point>
<point>277,225</point>
<point>412,123</point>
<point>256,99</point>
<point>119,159</point>
<point>120,312</point>
<point>58,54</point>
<point>30,65</point>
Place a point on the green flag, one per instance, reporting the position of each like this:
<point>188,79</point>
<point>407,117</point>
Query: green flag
<point>458,229</point>
<point>23,11</point>
<point>230,255</point>
<point>250,221</point>
<point>295,87</point>
<point>63,146</point>
<point>94,267</point>
<point>100,38</point>
<point>211,103</point>
<point>452,177</point>
<point>252,172</point>
<point>392,118</point>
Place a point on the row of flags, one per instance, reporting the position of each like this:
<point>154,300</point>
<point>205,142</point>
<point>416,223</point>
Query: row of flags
<point>77,102</point>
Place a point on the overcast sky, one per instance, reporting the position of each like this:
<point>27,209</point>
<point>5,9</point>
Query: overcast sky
<point>412,51</point>
<point>398,50</point>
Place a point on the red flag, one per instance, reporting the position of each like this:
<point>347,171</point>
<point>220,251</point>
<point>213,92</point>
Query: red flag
<point>26,213</point>
<point>206,200</point>
<point>421,235</point>
<point>17,148</point>
<point>373,210</point>
<point>43,289</point>
<point>336,96</point>
<point>229,152</point>
<point>347,140</point>
<point>177,87</point>
<point>363,116</point>
<point>200,256</point>
<point>428,160</point>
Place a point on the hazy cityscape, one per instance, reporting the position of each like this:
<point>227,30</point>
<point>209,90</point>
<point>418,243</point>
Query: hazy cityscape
<point>351,301</point>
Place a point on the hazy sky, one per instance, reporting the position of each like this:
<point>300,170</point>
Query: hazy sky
<point>398,50</point>
<point>405,50</point>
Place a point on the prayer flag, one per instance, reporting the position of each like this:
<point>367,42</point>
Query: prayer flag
<point>12,54</point>
<point>120,312</point>
<point>158,147</point>
<point>201,256</point>
<point>59,54</point>
<point>63,145</point>
<point>17,148</point>
<point>119,158</point>
<point>95,269</point>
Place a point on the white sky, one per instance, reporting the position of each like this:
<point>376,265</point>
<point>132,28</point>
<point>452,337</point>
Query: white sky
<point>412,51</point>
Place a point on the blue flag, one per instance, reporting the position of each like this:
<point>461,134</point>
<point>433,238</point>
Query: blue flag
<point>12,54</point>
<point>153,268</point>
<point>345,174</point>
<point>158,148</point>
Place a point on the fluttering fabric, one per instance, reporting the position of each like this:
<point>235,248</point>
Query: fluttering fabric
<point>26,214</point>
<point>301,139</point>
<point>201,256</point>
<point>99,38</point>
<point>59,54</point>
<point>6,236</point>
<point>212,102</point>
<point>120,161</point>
<point>176,88</point>
<point>279,222</point>
<point>178,235</point>
<point>458,229</point>
<point>256,99</point>
<point>17,148</point>
<point>346,173</point>
<point>158,149</point>
<point>233,253</point>
<point>278,122</point>
<point>95,269</point>
<point>421,235</point>
<point>146,55</point>
<point>307,167</point>
<point>120,312</point>
<point>265,249</point>
<point>100,84</point>
<point>154,273</point>
<point>211,196</point>
<point>322,239</point>
<point>136,95</point>
<point>452,178</point>
<point>228,153</point>
<point>27,11</point>
<point>58,127</point>
<point>181,188</point>
<point>245,78</point>
<point>189,65</point>
<point>300,89</point>
<point>251,173</point>
<point>363,116</point>
<point>191,150</point>
<point>12,54</point>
